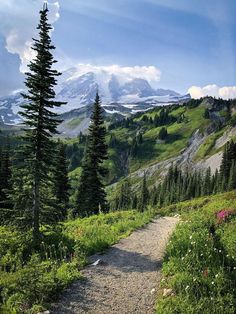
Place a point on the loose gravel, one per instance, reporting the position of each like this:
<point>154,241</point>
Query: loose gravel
<point>125,279</point>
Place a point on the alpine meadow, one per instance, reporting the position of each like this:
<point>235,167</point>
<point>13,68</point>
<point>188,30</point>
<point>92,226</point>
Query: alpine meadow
<point>117,193</point>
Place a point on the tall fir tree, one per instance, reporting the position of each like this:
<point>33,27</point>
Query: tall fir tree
<point>40,120</point>
<point>91,196</point>
<point>232,176</point>
<point>144,197</point>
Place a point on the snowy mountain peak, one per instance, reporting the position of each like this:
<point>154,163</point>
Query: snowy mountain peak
<point>79,88</point>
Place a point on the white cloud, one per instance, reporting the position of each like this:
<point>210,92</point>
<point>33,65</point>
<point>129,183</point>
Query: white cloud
<point>18,22</point>
<point>150,73</point>
<point>226,92</point>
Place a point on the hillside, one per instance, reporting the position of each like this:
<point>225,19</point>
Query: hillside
<point>197,132</point>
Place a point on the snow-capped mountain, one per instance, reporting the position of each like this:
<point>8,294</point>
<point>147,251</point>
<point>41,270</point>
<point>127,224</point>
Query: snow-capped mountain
<point>79,89</point>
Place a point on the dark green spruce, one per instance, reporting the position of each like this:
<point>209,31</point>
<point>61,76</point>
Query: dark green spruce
<point>144,197</point>
<point>40,120</point>
<point>91,196</point>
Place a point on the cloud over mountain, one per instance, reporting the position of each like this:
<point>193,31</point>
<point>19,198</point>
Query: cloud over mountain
<point>124,74</point>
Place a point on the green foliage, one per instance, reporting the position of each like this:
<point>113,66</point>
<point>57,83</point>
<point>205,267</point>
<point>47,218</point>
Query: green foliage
<point>61,181</point>
<point>181,185</point>
<point>122,200</point>
<point>199,264</point>
<point>5,176</point>
<point>206,114</point>
<point>28,281</point>
<point>36,284</point>
<point>91,195</point>
<point>163,133</point>
<point>144,197</point>
<point>41,123</point>
<point>207,147</point>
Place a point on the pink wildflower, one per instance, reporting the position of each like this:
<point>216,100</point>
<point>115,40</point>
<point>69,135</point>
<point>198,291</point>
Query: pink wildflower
<point>224,214</point>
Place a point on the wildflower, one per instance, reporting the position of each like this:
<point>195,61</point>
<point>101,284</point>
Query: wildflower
<point>187,287</point>
<point>194,279</point>
<point>190,237</point>
<point>182,258</point>
<point>201,254</point>
<point>224,214</point>
<point>217,275</point>
<point>189,251</point>
<point>220,251</point>
<point>212,283</point>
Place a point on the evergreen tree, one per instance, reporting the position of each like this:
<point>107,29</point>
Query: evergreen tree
<point>163,133</point>
<point>61,181</point>
<point>125,195</point>
<point>5,176</point>
<point>232,176</point>
<point>207,189</point>
<point>134,148</point>
<point>144,194</point>
<point>134,202</point>
<point>40,120</point>
<point>91,194</point>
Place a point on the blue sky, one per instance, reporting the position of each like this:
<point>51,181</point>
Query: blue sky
<point>192,42</point>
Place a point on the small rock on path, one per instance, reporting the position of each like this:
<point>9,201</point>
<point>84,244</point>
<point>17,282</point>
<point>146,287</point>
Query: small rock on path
<point>126,279</point>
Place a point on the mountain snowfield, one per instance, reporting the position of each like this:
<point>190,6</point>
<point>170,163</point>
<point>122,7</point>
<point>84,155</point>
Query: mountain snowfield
<point>119,94</point>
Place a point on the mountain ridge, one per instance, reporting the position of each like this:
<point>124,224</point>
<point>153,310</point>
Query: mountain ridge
<point>79,90</point>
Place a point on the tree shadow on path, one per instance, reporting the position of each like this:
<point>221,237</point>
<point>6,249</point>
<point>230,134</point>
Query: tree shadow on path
<point>115,267</point>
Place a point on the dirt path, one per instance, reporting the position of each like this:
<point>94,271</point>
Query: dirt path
<point>126,278</point>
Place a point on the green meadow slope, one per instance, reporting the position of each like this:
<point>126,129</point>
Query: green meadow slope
<point>199,271</point>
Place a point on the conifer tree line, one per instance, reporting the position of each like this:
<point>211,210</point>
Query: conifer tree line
<point>180,185</point>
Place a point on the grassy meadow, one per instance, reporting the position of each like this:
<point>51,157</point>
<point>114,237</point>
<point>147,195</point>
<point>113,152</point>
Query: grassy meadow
<point>199,271</point>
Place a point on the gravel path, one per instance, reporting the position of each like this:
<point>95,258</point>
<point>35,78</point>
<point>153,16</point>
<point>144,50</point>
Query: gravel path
<point>127,277</point>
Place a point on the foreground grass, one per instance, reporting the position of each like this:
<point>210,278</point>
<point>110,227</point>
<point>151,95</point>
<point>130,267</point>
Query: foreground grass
<point>200,263</point>
<point>28,281</point>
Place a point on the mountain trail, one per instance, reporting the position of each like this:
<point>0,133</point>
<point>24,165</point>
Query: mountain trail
<point>125,279</point>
